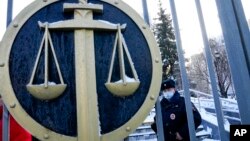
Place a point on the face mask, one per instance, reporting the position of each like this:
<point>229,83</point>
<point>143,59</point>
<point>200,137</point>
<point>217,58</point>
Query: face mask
<point>168,95</point>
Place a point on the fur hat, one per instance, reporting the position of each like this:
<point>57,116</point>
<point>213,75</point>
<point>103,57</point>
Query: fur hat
<point>166,84</point>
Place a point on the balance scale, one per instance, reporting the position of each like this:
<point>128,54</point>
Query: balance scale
<point>47,90</point>
<point>86,95</point>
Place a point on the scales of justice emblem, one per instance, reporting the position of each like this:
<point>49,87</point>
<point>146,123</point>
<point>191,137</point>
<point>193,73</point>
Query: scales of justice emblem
<point>83,20</point>
<point>83,24</point>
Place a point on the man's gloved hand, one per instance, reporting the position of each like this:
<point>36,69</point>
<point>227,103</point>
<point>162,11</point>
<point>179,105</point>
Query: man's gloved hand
<point>178,136</point>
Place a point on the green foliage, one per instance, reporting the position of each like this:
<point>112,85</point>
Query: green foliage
<point>164,33</point>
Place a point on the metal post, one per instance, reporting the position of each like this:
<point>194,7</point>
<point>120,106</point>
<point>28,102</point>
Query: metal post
<point>145,11</point>
<point>199,102</point>
<point>243,29</point>
<point>238,66</point>
<point>185,82</point>
<point>209,59</point>
<point>5,110</point>
<point>9,12</point>
<point>159,124</point>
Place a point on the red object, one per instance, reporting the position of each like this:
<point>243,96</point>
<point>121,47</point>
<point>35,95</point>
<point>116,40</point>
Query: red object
<point>17,133</point>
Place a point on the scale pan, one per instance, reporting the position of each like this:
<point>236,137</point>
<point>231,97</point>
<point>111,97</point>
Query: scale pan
<point>121,89</point>
<point>46,93</point>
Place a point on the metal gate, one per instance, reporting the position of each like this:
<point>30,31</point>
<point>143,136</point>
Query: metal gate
<point>237,41</point>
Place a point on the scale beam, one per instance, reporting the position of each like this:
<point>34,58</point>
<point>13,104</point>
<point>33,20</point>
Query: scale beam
<point>82,24</point>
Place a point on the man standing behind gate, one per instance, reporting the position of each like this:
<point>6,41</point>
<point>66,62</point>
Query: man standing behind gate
<point>174,117</point>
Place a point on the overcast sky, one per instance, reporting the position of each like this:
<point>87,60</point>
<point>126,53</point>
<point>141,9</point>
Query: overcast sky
<point>186,11</point>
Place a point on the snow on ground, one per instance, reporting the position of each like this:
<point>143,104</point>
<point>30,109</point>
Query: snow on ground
<point>213,119</point>
<point>210,140</point>
<point>203,132</point>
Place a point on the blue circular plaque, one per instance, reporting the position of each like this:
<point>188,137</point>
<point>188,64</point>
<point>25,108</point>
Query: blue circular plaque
<point>69,65</point>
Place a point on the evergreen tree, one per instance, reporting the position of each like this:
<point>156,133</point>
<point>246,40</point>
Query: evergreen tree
<point>164,33</point>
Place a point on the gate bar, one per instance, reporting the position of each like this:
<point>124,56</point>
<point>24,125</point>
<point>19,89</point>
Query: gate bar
<point>209,59</point>
<point>243,29</point>
<point>159,123</point>
<point>145,11</point>
<point>238,66</point>
<point>185,82</point>
<point>6,117</point>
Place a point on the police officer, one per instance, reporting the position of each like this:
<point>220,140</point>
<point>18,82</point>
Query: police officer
<point>174,115</point>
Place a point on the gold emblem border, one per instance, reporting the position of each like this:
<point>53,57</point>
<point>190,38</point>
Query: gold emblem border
<point>42,133</point>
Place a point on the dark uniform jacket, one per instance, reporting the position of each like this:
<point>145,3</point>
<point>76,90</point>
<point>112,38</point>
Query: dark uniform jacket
<point>175,119</point>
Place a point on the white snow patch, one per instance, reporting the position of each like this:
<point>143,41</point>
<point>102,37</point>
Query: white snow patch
<point>149,118</point>
<point>203,132</point>
<point>112,24</point>
<point>49,83</point>
<point>210,140</point>
<point>107,22</point>
<point>127,79</point>
<point>213,119</point>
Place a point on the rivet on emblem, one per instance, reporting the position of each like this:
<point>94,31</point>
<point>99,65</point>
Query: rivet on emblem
<point>12,105</point>
<point>15,25</point>
<point>45,136</point>
<point>156,60</point>
<point>1,64</point>
<point>152,97</point>
<point>128,129</point>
